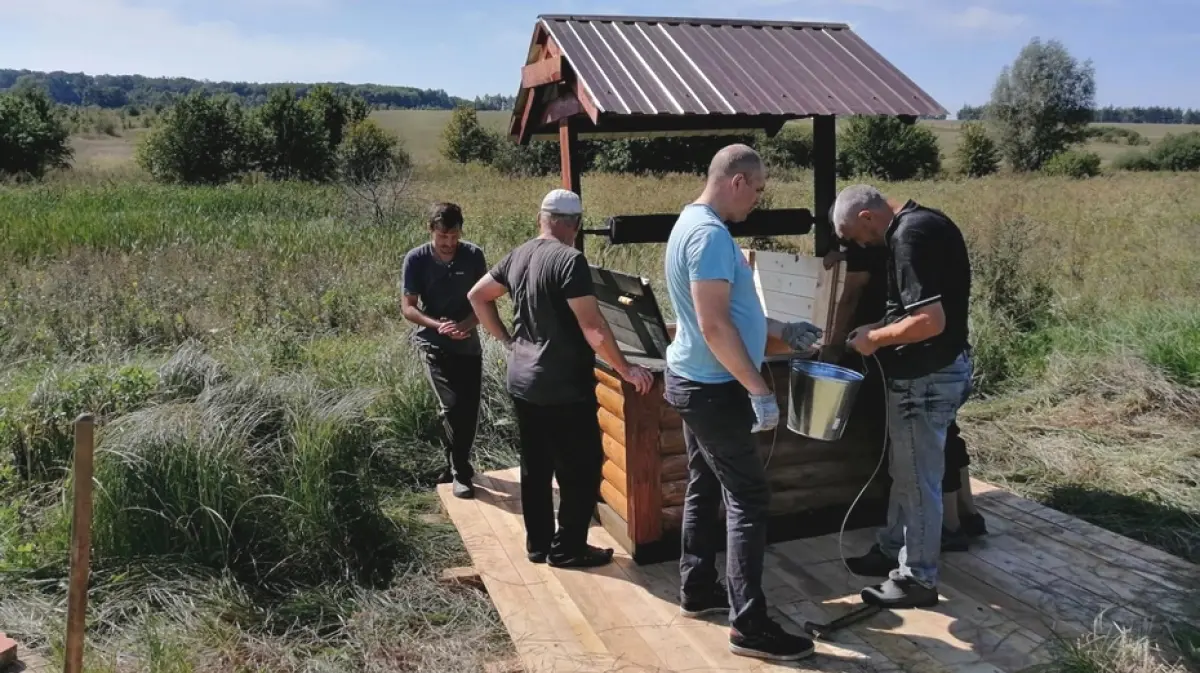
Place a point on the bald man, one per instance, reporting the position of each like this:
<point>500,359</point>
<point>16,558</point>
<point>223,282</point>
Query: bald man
<point>714,381</point>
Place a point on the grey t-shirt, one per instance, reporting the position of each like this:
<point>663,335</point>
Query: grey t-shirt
<point>442,290</point>
<point>550,361</point>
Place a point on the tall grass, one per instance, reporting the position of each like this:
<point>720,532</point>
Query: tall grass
<point>268,437</point>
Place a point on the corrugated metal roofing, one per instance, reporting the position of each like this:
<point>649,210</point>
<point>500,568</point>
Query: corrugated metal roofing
<point>685,66</point>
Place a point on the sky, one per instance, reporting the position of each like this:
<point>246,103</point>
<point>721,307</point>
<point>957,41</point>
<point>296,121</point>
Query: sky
<point>1145,52</point>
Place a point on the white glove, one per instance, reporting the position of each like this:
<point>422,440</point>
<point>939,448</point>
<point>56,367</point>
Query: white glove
<point>801,336</point>
<point>766,412</point>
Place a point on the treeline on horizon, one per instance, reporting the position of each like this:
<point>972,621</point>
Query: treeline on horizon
<point>1114,115</point>
<point>120,91</point>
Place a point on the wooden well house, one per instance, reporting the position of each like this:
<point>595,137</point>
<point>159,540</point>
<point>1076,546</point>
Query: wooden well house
<point>605,76</point>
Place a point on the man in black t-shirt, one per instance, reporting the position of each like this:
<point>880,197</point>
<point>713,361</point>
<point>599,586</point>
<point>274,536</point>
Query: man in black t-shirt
<point>558,330</point>
<point>863,301</point>
<point>922,346</point>
<point>437,275</point>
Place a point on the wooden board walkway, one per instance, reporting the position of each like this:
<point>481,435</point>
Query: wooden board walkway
<point>1039,575</point>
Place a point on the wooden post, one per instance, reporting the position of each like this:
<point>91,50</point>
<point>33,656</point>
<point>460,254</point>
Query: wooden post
<point>81,543</point>
<point>568,147</point>
<point>824,181</point>
<point>643,462</point>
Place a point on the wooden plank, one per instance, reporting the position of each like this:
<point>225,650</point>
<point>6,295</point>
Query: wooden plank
<point>788,283</point>
<point>673,492</point>
<point>615,499</point>
<point>1104,561</point>
<point>531,631</point>
<point>609,380</point>
<point>583,594</point>
<point>616,476</point>
<point>670,442</point>
<point>613,427</point>
<point>849,646</point>
<point>1089,537</point>
<point>644,463</point>
<point>81,542</point>
<point>789,263</point>
<point>787,307</point>
<point>675,468</point>
<point>547,71</point>
<point>610,400</point>
<point>613,450</point>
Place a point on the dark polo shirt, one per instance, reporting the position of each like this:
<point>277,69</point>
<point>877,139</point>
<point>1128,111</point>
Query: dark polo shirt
<point>442,288</point>
<point>928,263</point>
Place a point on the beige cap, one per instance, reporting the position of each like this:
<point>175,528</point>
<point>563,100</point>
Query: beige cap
<point>562,202</point>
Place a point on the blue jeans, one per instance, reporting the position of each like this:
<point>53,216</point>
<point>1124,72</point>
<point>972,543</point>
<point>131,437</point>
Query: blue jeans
<point>920,411</point>
<point>723,464</point>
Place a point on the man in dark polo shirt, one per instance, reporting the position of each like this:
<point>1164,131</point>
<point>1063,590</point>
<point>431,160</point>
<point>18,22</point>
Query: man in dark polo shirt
<point>923,350</point>
<point>439,274</point>
<point>558,331</point>
<point>864,301</point>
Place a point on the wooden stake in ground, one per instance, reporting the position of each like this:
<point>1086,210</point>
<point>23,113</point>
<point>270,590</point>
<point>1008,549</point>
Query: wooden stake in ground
<point>81,544</point>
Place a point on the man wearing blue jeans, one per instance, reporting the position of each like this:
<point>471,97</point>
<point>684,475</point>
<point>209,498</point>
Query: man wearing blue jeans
<point>923,350</point>
<point>714,381</point>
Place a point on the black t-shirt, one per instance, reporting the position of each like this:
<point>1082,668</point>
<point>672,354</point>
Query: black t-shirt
<point>442,288</point>
<point>872,303</point>
<point>550,361</point>
<point>928,263</point>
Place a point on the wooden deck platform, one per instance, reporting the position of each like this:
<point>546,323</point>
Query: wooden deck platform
<point>1039,575</point>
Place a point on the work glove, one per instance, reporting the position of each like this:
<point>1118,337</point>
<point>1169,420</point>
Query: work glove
<point>766,412</point>
<point>801,336</point>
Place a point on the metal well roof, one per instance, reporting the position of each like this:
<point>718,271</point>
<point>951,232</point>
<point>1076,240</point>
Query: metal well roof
<point>692,66</point>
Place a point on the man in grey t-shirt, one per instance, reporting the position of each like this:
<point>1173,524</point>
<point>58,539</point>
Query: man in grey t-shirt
<point>439,274</point>
<point>558,330</point>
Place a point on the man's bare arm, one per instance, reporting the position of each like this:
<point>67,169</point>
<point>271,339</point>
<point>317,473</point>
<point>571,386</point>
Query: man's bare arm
<point>483,298</point>
<point>924,323</point>
<point>408,307</point>
<point>599,335</point>
<point>712,313</point>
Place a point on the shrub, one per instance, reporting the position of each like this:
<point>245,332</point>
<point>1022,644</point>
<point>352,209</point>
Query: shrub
<point>1134,160</point>
<point>293,143</point>
<point>33,135</point>
<point>538,157</point>
<point>200,140</point>
<point>1116,135</point>
<point>887,148</point>
<point>976,153</point>
<point>370,154</point>
<point>464,140</point>
<point>1073,164</point>
<point>1178,152</point>
<point>337,111</point>
<point>791,148</point>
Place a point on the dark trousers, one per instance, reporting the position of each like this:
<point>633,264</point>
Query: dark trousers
<point>559,441</point>
<point>456,380</point>
<point>956,459</point>
<point>723,463</point>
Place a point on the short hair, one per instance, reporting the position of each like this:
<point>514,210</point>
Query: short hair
<point>853,200</point>
<point>445,216</point>
<point>733,159</point>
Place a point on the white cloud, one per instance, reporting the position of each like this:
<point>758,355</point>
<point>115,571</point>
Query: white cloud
<point>117,36</point>
<point>978,19</point>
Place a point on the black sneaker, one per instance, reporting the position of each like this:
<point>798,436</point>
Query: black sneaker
<point>954,540</point>
<point>464,490</point>
<point>872,564</point>
<point>590,557</point>
<point>769,641</point>
<point>904,592</point>
<point>711,602</point>
<point>537,556</point>
<point>973,525</point>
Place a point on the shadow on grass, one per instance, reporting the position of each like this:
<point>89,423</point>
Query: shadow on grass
<point>1145,518</point>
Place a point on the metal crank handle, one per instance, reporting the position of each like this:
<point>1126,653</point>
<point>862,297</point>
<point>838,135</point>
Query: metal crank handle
<point>825,631</point>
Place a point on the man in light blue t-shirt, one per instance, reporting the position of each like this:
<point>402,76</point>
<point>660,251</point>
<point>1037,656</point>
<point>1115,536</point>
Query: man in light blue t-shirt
<point>714,381</point>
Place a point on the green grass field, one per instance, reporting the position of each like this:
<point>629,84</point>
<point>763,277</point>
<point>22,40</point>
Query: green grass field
<point>267,435</point>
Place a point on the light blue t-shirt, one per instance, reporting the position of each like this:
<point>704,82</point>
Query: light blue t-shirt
<point>701,248</point>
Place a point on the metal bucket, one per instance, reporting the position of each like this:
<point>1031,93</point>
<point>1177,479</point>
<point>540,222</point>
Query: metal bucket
<point>821,397</point>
